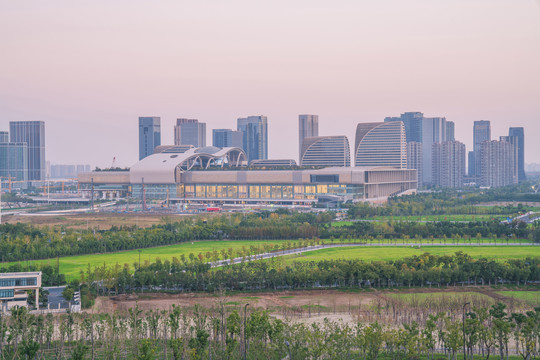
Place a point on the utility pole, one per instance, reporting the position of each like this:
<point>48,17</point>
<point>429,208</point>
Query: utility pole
<point>92,197</point>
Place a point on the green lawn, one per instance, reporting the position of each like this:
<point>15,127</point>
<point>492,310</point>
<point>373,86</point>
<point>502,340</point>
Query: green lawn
<point>455,297</point>
<point>460,217</point>
<point>374,253</point>
<point>72,265</point>
<point>530,297</point>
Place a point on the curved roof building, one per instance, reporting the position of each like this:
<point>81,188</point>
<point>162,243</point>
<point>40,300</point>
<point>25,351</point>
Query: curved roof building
<point>325,151</point>
<point>166,167</point>
<point>381,144</point>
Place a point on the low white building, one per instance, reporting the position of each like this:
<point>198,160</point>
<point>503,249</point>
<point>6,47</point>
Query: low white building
<point>14,286</point>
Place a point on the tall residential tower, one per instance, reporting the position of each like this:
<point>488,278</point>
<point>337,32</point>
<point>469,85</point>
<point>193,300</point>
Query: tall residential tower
<point>308,126</point>
<point>33,134</point>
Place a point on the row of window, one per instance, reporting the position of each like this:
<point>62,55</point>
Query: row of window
<point>18,282</point>
<point>6,293</point>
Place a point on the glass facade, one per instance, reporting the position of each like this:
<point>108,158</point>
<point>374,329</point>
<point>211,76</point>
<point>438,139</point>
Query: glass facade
<point>33,134</point>
<point>6,293</point>
<point>149,135</point>
<point>14,161</point>
<point>275,192</point>
<point>18,282</point>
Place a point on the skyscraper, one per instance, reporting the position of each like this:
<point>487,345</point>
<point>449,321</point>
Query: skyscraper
<point>4,137</point>
<point>448,164</point>
<point>433,131</point>
<point>325,151</point>
<point>498,162</point>
<point>14,161</point>
<point>226,138</point>
<point>413,125</point>
<point>381,144</point>
<point>481,133</point>
<point>414,159</point>
<point>190,132</point>
<point>33,134</point>
<point>149,135</point>
<point>308,126</point>
<point>518,133</point>
<point>254,136</point>
<point>450,131</point>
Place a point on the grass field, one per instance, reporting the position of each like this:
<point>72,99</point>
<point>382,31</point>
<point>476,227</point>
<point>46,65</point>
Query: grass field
<point>429,218</point>
<point>71,266</point>
<point>530,297</point>
<point>374,253</point>
<point>474,298</point>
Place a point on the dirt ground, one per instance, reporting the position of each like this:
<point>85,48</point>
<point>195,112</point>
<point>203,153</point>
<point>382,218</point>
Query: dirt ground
<point>100,221</point>
<point>318,300</point>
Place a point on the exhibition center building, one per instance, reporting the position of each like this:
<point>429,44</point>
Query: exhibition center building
<point>221,176</point>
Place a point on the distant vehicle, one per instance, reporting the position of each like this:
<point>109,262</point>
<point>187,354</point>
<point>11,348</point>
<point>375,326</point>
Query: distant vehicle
<point>213,209</point>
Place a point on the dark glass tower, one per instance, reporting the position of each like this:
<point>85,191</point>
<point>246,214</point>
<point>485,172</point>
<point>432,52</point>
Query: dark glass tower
<point>254,136</point>
<point>33,134</point>
<point>149,135</point>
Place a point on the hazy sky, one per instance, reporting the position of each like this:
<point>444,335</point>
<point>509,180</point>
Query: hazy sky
<point>90,68</point>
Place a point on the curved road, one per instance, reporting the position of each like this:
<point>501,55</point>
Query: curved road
<point>328,246</point>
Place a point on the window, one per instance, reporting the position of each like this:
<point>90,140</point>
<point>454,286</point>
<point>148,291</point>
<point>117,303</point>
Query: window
<point>6,293</point>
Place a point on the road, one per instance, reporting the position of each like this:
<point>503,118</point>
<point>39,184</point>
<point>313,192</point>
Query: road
<point>329,246</point>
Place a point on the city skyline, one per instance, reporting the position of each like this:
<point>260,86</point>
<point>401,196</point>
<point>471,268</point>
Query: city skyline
<point>341,62</point>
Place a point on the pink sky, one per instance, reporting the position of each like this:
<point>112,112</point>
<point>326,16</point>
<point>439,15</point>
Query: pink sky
<point>89,69</point>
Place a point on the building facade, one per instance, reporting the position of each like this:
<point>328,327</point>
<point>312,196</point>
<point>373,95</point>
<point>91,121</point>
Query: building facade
<point>254,136</point>
<point>448,164</point>
<point>308,126</point>
<point>13,287</point>
<point>33,134</point>
<point>149,135</point>
<point>413,125</point>
<point>481,133</point>
<point>433,131</point>
<point>518,134</point>
<point>325,151</point>
<point>227,138</point>
<point>450,131</point>
<point>415,159</point>
<point>4,137</point>
<point>14,161</point>
<point>381,144</point>
<point>498,163</point>
<point>190,132</point>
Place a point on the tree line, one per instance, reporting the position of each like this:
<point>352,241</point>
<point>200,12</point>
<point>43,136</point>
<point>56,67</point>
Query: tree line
<point>225,332</point>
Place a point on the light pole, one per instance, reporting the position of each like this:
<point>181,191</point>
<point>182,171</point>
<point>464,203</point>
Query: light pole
<point>245,319</point>
<point>463,322</point>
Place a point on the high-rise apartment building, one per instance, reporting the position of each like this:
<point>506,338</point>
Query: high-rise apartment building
<point>433,131</point>
<point>481,133</point>
<point>190,132</point>
<point>450,131</point>
<point>33,134</point>
<point>498,162</point>
<point>4,137</point>
<point>448,164</point>
<point>149,135</point>
<point>308,126</point>
<point>381,144</point>
<point>226,138</point>
<point>518,134</point>
<point>254,136</point>
<point>325,151</point>
<point>415,159</point>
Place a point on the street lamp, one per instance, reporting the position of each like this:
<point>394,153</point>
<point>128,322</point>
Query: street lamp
<point>245,343</point>
<point>463,322</point>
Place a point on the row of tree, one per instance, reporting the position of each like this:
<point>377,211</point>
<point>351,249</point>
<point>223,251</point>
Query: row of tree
<point>231,333</point>
<point>194,274</point>
<point>24,242</point>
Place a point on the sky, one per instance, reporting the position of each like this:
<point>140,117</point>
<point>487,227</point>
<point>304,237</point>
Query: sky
<point>89,69</point>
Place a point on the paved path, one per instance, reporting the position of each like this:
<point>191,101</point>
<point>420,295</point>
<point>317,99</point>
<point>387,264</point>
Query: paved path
<point>329,246</point>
